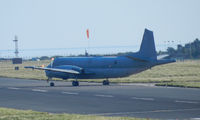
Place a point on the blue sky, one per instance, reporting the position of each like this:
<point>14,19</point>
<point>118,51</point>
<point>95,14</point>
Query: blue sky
<point>112,23</point>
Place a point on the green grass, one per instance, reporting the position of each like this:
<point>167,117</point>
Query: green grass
<point>7,70</point>
<point>184,73</point>
<point>12,114</point>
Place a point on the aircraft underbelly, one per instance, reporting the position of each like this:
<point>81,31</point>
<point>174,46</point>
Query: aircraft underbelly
<point>98,73</point>
<point>112,73</point>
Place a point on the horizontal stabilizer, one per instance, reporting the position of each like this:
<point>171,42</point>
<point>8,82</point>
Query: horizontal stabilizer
<point>165,61</point>
<point>136,59</point>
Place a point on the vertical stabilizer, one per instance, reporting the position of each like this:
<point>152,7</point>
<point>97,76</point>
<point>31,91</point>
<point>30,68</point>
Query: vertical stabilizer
<point>147,52</point>
<point>147,48</point>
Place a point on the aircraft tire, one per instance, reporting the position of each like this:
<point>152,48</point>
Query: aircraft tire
<point>52,84</point>
<point>106,82</point>
<point>75,83</point>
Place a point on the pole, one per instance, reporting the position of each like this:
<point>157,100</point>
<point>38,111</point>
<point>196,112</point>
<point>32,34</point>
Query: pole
<point>16,47</point>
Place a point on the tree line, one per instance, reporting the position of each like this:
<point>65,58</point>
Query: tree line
<point>188,51</point>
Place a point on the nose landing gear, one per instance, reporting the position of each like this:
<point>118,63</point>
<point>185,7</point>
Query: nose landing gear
<point>51,83</point>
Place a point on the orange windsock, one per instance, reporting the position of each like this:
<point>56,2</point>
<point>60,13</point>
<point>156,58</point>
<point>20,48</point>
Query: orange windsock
<point>87,31</point>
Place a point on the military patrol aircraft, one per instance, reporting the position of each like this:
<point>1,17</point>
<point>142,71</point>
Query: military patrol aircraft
<point>105,67</point>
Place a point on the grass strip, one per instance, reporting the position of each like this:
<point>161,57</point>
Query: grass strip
<point>13,114</point>
<point>177,74</point>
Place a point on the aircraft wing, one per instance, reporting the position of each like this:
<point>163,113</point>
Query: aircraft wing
<point>54,69</point>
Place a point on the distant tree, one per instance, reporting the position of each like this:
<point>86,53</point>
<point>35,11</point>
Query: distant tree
<point>44,58</point>
<point>196,48</point>
<point>189,51</point>
<point>171,51</point>
<point>56,56</point>
<point>179,48</point>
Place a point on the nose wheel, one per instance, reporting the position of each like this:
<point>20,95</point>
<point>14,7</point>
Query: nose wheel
<point>51,83</point>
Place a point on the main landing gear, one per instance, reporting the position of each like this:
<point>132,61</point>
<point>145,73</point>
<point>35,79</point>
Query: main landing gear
<point>52,84</point>
<point>106,82</point>
<point>75,83</point>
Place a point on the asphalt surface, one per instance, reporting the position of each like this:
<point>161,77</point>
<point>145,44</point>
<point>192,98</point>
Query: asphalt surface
<point>133,100</point>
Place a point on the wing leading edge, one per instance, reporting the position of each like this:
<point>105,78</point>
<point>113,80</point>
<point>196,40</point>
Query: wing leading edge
<point>54,69</point>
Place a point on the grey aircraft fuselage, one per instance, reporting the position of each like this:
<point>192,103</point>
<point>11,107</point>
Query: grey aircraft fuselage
<point>98,67</point>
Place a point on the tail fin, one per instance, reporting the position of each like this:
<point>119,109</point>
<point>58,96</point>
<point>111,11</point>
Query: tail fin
<point>147,48</point>
<point>147,52</point>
